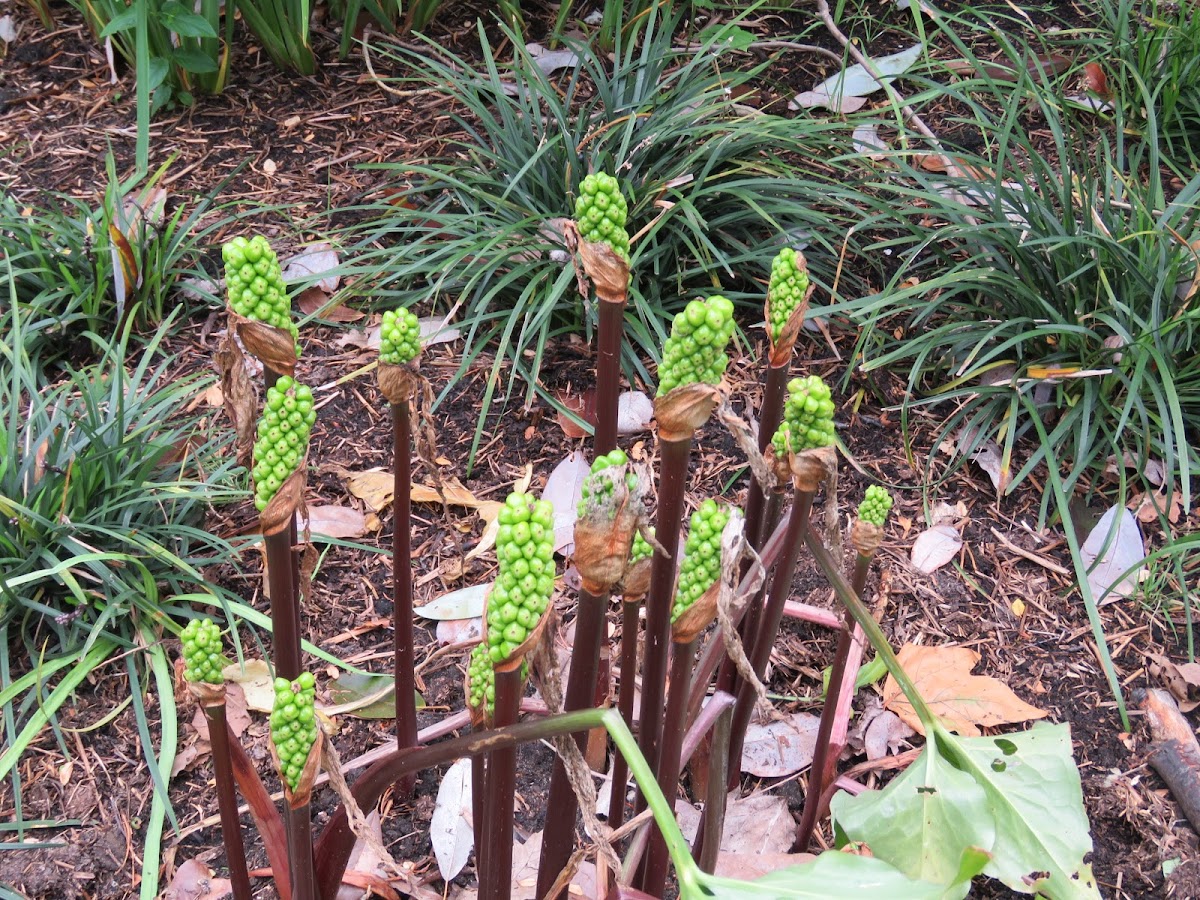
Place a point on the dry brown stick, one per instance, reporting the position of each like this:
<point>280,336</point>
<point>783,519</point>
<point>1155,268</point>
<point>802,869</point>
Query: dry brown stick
<point>1175,753</point>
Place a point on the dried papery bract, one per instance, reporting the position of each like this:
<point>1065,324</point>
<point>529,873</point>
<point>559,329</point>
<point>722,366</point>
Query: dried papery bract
<point>300,797</point>
<point>274,347</point>
<point>281,509</point>
<point>398,384</point>
<point>604,533</point>
<point>865,538</point>
<point>693,621</point>
<point>608,273</point>
<point>682,411</point>
<point>810,468</point>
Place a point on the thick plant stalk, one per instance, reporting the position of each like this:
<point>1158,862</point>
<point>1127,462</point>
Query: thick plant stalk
<point>478,793</point>
<point>500,800</point>
<point>558,837</point>
<point>608,373</point>
<point>673,465</point>
<point>285,610</point>
<point>837,706</point>
<point>630,627</point>
<point>714,803</point>
<point>683,654</point>
<point>298,824</point>
<point>406,711</point>
<point>231,829</point>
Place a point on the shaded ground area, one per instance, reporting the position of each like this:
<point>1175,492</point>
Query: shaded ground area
<point>297,143</point>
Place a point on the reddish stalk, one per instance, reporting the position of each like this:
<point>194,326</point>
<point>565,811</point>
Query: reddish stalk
<point>759,653</point>
<point>761,513</point>
<point>227,804</point>
<point>630,627</point>
<point>478,792</point>
<point>714,802</point>
<point>683,655</point>
<point>558,837</point>
<point>673,465</point>
<point>837,705</point>
<point>608,374</point>
<point>406,710</point>
<point>500,801</point>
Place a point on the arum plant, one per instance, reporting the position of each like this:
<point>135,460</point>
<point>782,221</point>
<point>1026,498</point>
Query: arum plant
<point>399,350</point>
<point>693,363</point>
<point>609,514</point>
<point>600,216</point>
<point>202,665</point>
<point>692,612</point>
<point>865,537</point>
<point>802,448</point>
<point>516,619</point>
<point>283,28</point>
<point>788,293</point>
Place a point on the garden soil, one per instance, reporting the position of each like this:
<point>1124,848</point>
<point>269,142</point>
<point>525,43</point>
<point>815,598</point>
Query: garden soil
<point>298,143</point>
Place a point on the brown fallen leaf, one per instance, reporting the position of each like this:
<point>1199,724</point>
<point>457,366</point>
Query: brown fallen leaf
<point>373,487</point>
<point>314,300</point>
<point>1181,679</point>
<point>453,491</point>
<point>194,881</point>
<point>961,700</point>
<point>583,405</point>
<point>334,522</point>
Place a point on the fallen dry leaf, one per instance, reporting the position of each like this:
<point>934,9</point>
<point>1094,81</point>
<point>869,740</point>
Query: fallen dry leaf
<point>582,405</point>
<point>256,682</point>
<point>961,700</point>
<point>314,300</point>
<point>759,823</point>
<point>935,547</point>
<point>373,487</point>
<point>194,881</point>
<point>452,489</point>
<point>334,522</point>
<point>315,260</point>
<point>1181,679</point>
<point>783,747</point>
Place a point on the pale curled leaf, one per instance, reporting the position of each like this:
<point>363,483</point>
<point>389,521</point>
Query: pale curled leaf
<point>634,412</point>
<point>451,830</point>
<point>760,823</point>
<point>564,490</point>
<point>333,522</point>
<point>195,881</point>
<point>935,547</point>
<point>1110,550</point>
<point>844,92</point>
<point>467,603</point>
<point>962,701</point>
<point>314,262</point>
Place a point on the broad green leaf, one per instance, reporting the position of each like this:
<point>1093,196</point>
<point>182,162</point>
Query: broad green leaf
<point>923,822</point>
<point>122,22</point>
<point>1036,802</point>
<point>832,874</point>
<point>192,60</point>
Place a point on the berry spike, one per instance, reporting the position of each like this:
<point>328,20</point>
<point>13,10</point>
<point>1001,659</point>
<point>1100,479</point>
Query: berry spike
<point>787,290</point>
<point>521,594</point>
<point>876,505</point>
<point>601,213</point>
<point>254,284</point>
<point>807,417</point>
<point>695,351</point>
<point>294,725</point>
<point>399,337</point>
<point>202,657</point>
<point>282,442</point>
<point>701,564</point>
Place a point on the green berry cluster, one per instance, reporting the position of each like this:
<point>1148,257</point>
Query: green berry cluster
<point>525,551</point>
<point>601,213</point>
<point>287,418</point>
<point>695,351</point>
<point>875,506</point>
<point>399,337</point>
<point>597,488</point>
<point>788,285</point>
<point>294,724</point>
<point>202,659</point>
<point>640,550</point>
<point>701,564</point>
<point>481,680</point>
<point>254,283</point>
<point>807,417</point>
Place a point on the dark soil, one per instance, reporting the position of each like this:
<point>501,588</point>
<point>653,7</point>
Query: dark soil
<point>298,143</point>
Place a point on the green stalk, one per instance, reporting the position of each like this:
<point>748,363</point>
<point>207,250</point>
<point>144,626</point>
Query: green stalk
<point>141,47</point>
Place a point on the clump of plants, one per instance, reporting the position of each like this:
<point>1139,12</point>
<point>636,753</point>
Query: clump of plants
<point>697,603</point>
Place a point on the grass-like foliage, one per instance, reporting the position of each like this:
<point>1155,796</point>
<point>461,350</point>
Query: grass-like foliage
<point>713,189</point>
<point>77,270</point>
<point>1151,57</point>
<point>103,485</point>
<point>1043,271</point>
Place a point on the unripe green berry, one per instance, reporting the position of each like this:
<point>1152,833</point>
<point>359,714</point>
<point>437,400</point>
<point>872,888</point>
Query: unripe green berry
<point>877,502</point>
<point>481,680</point>
<point>787,288</point>
<point>294,724</point>
<point>598,488</point>
<point>399,337</point>
<point>283,430</point>
<point>695,351</point>
<point>807,417</point>
<point>254,284</point>
<point>601,213</point>
<point>202,658</point>
<point>701,565</point>
<point>525,536</point>
<point>640,550</point>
